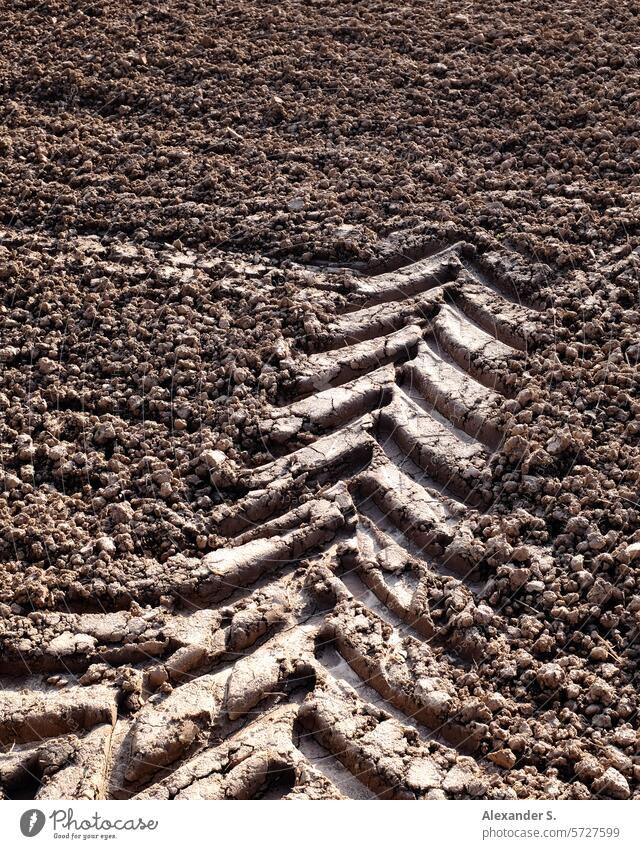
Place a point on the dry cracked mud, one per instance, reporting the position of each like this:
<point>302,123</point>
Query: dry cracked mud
<point>319,404</point>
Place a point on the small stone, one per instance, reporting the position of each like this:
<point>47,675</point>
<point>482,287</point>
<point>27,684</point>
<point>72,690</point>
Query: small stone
<point>8,354</point>
<point>588,768</point>
<point>518,577</point>
<point>600,592</point>
<point>104,434</point>
<point>436,794</point>
<point>424,775</point>
<point>612,784</point>
<point>68,643</point>
<point>617,759</point>
<point>120,513</point>
<point>596,541</point>
<point>550,675</point>
<point>46,365</point>
<point>602,692</point>
<point>437,701</point>
<point>599,654</point>
<point>495,702</point>
<point>391,559</point>
<point>477,787</point>
<point>156,677</point>
<point>633,551</point>
<point>624,737</point>
<point>107,545</point>
<point>11,482</point>
<point>213,459</point>
<point>504,758</point>
<point>456,780</point>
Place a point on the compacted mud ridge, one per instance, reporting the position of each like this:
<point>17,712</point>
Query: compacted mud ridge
<point>320,404</point>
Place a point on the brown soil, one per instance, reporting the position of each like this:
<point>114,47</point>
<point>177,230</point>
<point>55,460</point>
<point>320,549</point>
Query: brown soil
<point>319,401</point>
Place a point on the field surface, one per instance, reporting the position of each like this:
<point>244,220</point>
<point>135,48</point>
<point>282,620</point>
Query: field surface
<point>319,408</point>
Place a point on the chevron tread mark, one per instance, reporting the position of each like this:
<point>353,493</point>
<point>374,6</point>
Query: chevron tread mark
<point>306,657</point>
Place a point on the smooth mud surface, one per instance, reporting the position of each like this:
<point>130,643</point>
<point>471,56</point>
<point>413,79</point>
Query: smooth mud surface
<point>319,406</point>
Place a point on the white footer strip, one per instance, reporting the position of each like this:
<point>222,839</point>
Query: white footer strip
<point>321,825</point>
